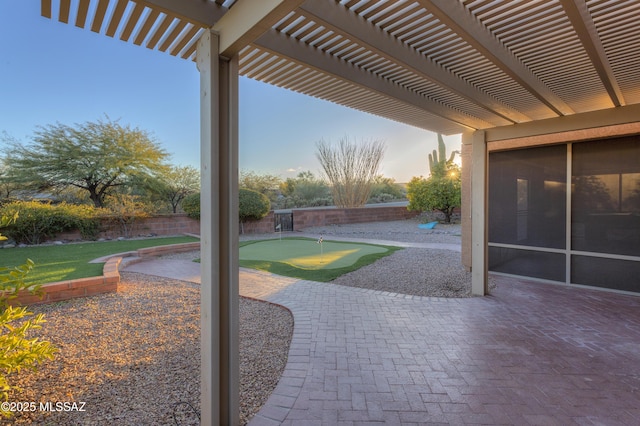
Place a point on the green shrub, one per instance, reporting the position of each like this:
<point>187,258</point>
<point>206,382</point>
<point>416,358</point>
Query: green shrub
<point>442,193</point>
<point>18,351</point>
<point>191,205</point>
<point>385,189</point>
<point>124,210</point>
<point>39,221</point>
<point>382,197</point>
<point>84,218</point>
<point>252,205</point>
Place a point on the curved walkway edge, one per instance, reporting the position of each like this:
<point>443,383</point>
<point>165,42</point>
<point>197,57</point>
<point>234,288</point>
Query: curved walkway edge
<point>528,354</point>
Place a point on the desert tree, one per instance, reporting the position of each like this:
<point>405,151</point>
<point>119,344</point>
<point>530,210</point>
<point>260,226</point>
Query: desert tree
<point>7,187</point>
<point>442,190</point>
<point>441,193</point>
<point>350,169</point>
<point>174,183</point>
<point>266,184</point>
<point>305,190</point>
<point>94,156</point>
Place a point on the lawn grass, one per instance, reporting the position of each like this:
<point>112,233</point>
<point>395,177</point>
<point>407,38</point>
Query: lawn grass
<point>301,257</point>
<point>71,261</point>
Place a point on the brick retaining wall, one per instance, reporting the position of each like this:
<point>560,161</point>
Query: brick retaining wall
<point>179,224</point>
<point>305,218</point>
<point>262,226</point>
<point>71,289</point>
<point>174,224</point>
<point>91,286</point>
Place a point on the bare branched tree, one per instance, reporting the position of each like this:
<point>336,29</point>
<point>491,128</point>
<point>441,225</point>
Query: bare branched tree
<point>350,169</point>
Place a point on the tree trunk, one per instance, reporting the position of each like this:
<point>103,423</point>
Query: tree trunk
<point>95,197</point>
<point>447,215</point>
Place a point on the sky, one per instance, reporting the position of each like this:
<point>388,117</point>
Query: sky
<point>52,72</point>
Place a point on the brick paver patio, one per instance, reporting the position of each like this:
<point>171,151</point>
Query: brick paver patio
<point>529,354</point>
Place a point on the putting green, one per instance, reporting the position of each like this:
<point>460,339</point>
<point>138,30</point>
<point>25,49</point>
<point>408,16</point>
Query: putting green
<point>306,253</point>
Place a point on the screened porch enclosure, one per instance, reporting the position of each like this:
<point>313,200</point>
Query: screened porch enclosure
<point>567,213</point>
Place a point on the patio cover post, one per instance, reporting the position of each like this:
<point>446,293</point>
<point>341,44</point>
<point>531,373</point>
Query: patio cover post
<point>219,234</point>
<point>479,216</point>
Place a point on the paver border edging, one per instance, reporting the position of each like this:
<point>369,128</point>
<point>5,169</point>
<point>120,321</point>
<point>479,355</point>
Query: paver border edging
<point>71,289</point>
<point>91,286</point>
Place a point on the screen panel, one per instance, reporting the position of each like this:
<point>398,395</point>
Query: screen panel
<point>527,196</point>
<point>606,196</point>
<point>606,273</point>
<point>528,263</point>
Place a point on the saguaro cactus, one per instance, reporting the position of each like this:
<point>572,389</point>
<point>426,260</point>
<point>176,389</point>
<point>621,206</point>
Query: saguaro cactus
<point>437,159</point>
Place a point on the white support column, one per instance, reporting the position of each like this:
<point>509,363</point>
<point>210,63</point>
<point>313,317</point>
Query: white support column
<point>219,234</point>
<point>479,209</point>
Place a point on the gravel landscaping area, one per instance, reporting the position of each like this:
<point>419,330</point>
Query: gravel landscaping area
<point>134,357</point>
<point>406,231</point>
<point>415,271</point>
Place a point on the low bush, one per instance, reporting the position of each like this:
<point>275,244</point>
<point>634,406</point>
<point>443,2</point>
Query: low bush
<point>252,205</point>
<point>19,350</point>
<point>124,210</point>
<point>191,205</point>
<point>37,221</point>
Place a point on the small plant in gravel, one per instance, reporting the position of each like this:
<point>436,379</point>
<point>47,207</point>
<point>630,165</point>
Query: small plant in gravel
<point>17,351</point>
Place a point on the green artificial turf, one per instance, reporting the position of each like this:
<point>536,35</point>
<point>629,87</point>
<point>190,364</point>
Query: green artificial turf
<point>302,257</point>
<point>71,261</point>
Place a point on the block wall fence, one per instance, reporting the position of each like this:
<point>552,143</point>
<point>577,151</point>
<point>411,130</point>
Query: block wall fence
<point>178,224</point>
<point>306,218</point>
<point>174,224</point>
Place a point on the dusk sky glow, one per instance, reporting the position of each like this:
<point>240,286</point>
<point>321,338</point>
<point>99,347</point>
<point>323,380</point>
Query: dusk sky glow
<point>52,72</point>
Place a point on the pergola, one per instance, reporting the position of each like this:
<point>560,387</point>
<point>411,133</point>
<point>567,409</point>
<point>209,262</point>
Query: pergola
<point>501,72</point>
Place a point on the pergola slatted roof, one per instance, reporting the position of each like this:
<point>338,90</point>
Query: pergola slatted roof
<point>442,65</point>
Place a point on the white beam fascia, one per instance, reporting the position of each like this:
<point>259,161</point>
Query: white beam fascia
<point>314,58</point>
<point>586,120</point>
<point>458,19</point>
<point>341,19</point>
<point>203,13</point>
<point>249,19</point>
